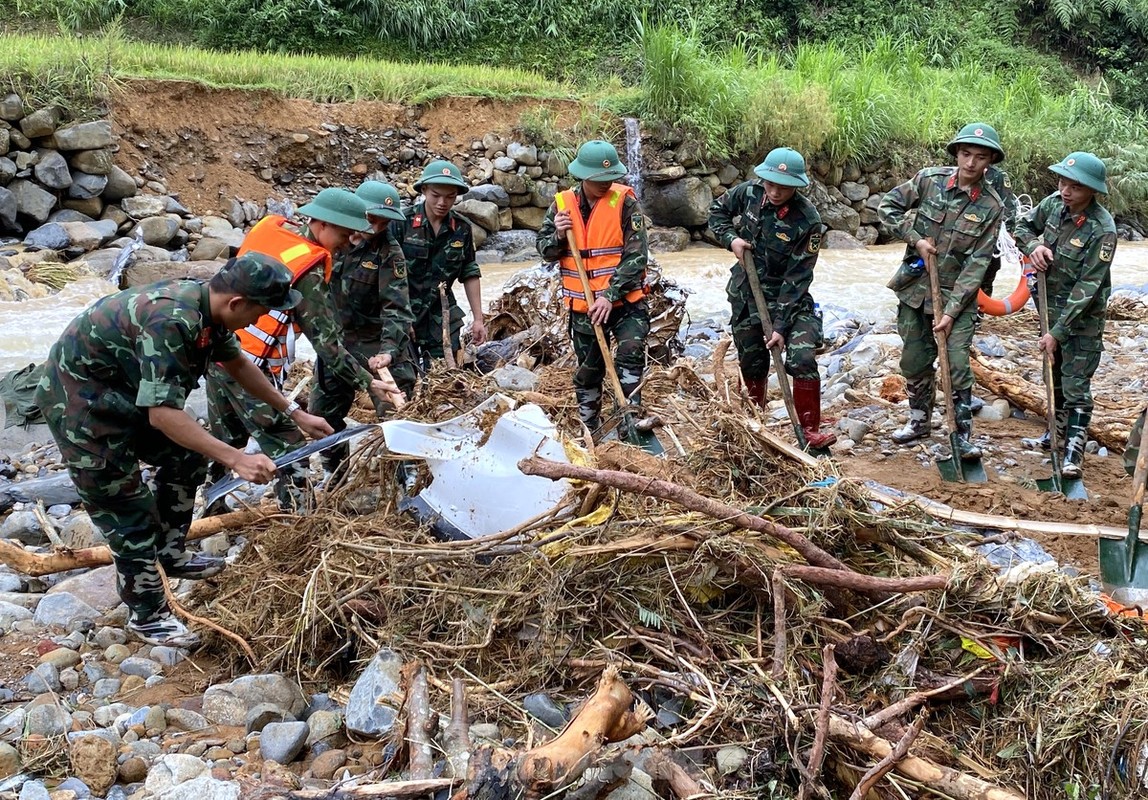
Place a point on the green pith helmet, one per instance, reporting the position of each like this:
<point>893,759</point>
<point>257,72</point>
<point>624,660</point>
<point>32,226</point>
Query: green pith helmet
<point>382,199</point>
<point>981,135</point>
<point>1084,168</point>
<point>338,207</point>
<point>442,173</point>
<point>597,161</point>
<point>783,166</point>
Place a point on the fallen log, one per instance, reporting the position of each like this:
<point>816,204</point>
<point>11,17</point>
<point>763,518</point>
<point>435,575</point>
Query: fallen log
<point>606,717</point>
<point>945,781</point>
<point>886,764</point>
<point>37,564</point>
<point>1112,432</point>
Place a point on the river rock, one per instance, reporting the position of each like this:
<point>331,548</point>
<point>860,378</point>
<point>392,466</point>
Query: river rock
<point>24,527</point>
<point>93,162</point>
<point>526,154</point>
<point>31,200</point>
<point>61,658</point>
<point>543,194</point>
<point>514,245</point>
<point>261,715</point>
<point>668,240</point>
<point>211,249</point>
<point>672,172</point>
<point>50,236</point>
<point>730,759</point>
<point>515,378</point>
<point>120,185</point>
<point>10,612</point>
<point>143,667</point>
<point>540,706</point>
<point>10,760</point>
<point>868,234</point>
<point>511,182</point>
<point>487,193</point>
<point>47,720</point>
<point>479,211</point>
<point>96,587</point>
<point>143,206</point>
<point>8,208</point>
<point>529,217</point>
<point>841,217</point>
<point>219,228</point>
<point>682,203</point>
<point>324,766</point>
<point>172,770</point>
<point>227,703</point>
<point>204,787</point>
<point>93,761</point>
<point>86,186</point>
<point>5,141</point>
<point>367,711</point>
<point>854,192</point>
<point>281,742</point>
<point>52,170</point>
<point>506,164</point>
<point>840,240</point>
<point>11,107</point>
<point>157,231</point>
<point>84,235</point>
<point>34,790</point>
<point>90,208</point>
<point>63,610</point>
<point>93,135</point>
<point>42,122</point>
<point>44,678</point>
<point>323,724</point>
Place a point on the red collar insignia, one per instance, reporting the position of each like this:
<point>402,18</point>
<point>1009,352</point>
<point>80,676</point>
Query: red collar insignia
<point>204,338</point>
<point>781,212</point>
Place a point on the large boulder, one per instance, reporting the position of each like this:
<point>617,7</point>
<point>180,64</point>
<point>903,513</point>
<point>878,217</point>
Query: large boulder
<point>32,201</point>
<point>513,245</point>
<point>85,136</point>
<point>157,231</point>
<point>52,170</point>
<point>7,210</point>
<point>840,217</point>
<point>480,212</point>
<point>489,193</point>
<point>42,122</point>
<point>684,203</point>
<point>96,162</point>
<point>11,108</point>
<point>85,186</point>
<point>51,236</point>
<point>529,217</point>
<point>120,185</point>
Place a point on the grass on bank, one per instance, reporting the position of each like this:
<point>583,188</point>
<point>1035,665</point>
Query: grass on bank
<point>55,68</point>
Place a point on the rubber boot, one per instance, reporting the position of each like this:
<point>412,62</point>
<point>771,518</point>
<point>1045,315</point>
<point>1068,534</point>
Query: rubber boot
<point>1045,441</point>
<point>756,388</point>
<point>807,399</point>
<point>963,406</point>
<point>1075,438</point>
<point>921,393</point>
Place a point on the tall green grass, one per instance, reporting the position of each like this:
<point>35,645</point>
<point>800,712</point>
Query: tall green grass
<point>847,102</point>
<point>45,67</point>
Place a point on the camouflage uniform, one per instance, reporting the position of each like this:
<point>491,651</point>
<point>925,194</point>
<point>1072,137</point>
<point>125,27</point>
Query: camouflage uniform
<point>628,324</point>
<point>999,180</point>
<point>373,309</point>
<point>134,350</point>
<point>1079,284</point>
<point>445,257</point>
<point>963,227</point>
<point>233,414</point>
<point>786,241</point>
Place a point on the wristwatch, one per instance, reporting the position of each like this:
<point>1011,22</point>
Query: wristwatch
<point>292,407</point>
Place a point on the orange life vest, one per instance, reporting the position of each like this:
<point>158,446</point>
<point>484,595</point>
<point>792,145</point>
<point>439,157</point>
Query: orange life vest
<point>270,342</point>
<point>600,244</point>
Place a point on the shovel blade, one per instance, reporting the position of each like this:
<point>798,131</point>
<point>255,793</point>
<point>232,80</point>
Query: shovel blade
<point>622,425</point>
<point>956,470</point>
<point>1124,564</point>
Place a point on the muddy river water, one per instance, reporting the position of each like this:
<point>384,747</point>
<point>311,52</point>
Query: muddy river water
<point>851,279</point>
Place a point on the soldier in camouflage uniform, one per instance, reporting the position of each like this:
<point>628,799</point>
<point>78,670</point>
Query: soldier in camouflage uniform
<point>439,248</point>
<point>373,309</point>
<point>956,223</point>
<point>233,415</point>
<point>113,393</point>
<point>783,230</point>
<point>1072,238</point>
<point>610,231</point>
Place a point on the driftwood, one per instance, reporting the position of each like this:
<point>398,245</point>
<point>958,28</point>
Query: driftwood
<point>946,781</point>
<point>606,717</point>
<point>662,768</point>
<point>456,737</point>
<point>421,722</point>
<point>812,774</point>
<point>35,565</point>
<point>1108,431</point>
<point>886,764</point>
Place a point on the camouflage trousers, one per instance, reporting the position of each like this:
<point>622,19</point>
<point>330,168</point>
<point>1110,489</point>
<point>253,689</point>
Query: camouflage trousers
<point>919,347</point>
<point>144,526</point>
<point>428,338</point>
<point>628,326</point>
<point>332,398</point>
<point>233,415</point>
<point>1073,365</point>
<point>805,336</point>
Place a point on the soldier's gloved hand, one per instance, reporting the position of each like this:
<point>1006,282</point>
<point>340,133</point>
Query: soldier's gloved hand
<point>314,427</point>
<point>739,247</point>
<point>256,468</point>
<point>1041,257</point>
<point>379,361</point>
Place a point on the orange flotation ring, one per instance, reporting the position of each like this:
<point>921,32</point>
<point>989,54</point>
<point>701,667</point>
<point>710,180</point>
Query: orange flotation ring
<point>1014,302</point>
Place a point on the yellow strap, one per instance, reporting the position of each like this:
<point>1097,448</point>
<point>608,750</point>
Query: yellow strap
<point>291,253</point>
<point>560,201</point>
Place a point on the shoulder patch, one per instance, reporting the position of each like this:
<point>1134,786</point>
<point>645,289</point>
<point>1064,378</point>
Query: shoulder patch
<point>637,222</point>
<point>400,267</point>
<point>1107,248</point>
<point>814,243</point>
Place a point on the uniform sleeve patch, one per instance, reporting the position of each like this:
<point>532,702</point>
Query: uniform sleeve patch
<point>814,243</point>
<point>636,222</point>
<point>1107,248</point>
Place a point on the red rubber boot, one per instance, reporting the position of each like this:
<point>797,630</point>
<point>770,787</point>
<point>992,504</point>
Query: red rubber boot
<point>756,389</point>
<point>807,398</point>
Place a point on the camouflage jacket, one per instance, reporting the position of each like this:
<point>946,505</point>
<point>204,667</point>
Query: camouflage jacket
<point>369,289</point>
<point>631,270</point>
<point>786,240</point>
<point>963,225</point>
<point>1079,281</point>
<point>131,351</point>
<point>315,317</point>
<point>445,257</point>
<point>1002,185</point>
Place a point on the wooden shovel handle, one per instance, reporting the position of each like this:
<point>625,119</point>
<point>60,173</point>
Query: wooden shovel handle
<point>397,398</point>
<point>942,344</point>
<point>1049,394</point>
<point>1140,475</point>
<point>603,345</point>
